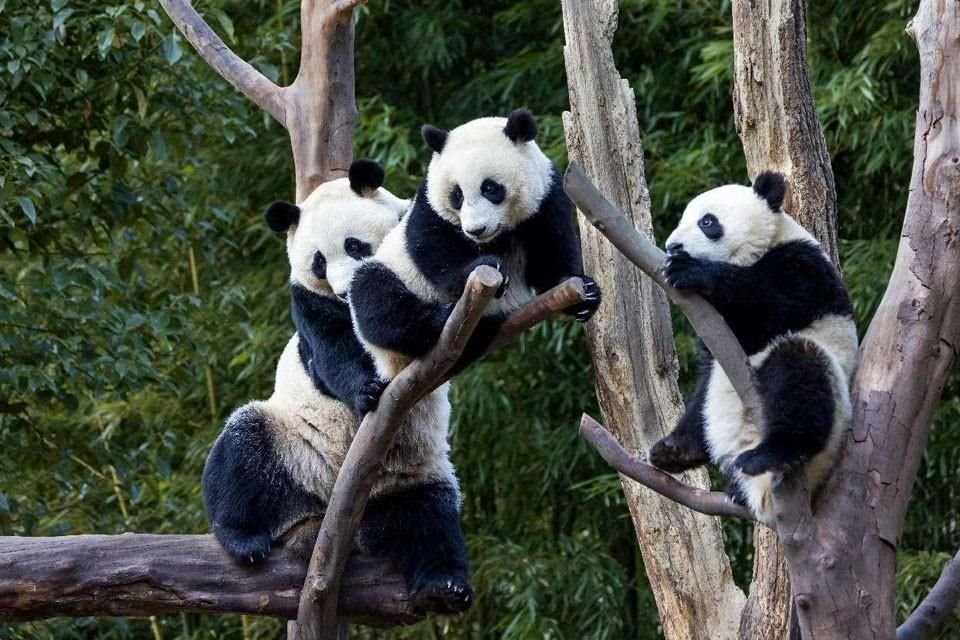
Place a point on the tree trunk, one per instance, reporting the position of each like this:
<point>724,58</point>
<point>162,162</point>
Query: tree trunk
<point>843,564</point>
<point>777,122</point>
<point>631,341</point>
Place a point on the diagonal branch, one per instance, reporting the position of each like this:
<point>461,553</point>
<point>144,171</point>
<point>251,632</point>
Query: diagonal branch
<point>939,603</point>
<point>317,615</point>
<point>218,55</point>
<point>711,503</point>
<point>706,321</point>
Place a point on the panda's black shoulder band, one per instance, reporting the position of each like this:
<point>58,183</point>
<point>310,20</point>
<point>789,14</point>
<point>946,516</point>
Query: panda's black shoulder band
<point>365,176</point>
<point>281,215</point>
<point>772,187</point>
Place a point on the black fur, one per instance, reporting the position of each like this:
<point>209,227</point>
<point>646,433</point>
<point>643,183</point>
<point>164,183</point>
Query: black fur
<point>247,492</point>
<point>788,289</point>
<point>330,351</point>
<point>365,176</point>
<point>772,187</point>
<point>418,529</point>
<point>521,126</point>
<point>798,408</point>
<point>435,138</point>
<point>281,215</point>
<point>446,257</point>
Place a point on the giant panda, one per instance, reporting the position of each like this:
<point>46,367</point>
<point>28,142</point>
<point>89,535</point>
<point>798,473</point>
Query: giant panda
<point>785,301</point>
<point>270,473</point>
<point>490,197</point>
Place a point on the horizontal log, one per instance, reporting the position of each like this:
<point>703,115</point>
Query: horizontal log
<point>135,574</point>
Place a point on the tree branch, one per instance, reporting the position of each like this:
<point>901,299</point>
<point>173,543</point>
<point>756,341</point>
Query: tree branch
<point>706,321</point>
<point>566,294</point>
<point>711,503</point>
<point>218,55</point>
<point>317,614</point>
<point>140,574</point>
<point>940,602</point>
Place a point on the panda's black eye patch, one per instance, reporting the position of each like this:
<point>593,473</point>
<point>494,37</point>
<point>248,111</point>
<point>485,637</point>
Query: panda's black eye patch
<point>710,226</point>
<point>319,266</point>
<point>456,197</point>
<point>357,249</point>
<point>493,191</point>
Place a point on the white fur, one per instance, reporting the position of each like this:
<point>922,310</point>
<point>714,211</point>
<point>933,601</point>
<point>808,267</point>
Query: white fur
<point>480,150</point>
<point>330,215</point>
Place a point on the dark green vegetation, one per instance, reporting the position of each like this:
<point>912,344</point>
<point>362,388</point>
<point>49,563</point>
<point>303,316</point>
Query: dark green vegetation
<point>143,297</point>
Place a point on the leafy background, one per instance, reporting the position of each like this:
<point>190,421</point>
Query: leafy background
<point>143,298</point>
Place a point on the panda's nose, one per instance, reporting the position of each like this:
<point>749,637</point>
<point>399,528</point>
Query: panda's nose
<point>674,248</point>
<point>477,232</point>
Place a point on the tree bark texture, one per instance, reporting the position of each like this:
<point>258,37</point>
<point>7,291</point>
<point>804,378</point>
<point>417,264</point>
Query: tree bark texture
<point>843,562</point>
<point>775,114</point>
<point>142,574</point>
<point>631,340</point>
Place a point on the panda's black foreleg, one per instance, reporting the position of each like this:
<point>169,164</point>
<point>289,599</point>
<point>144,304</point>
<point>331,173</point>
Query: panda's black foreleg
<point>686,446</point>
<point>479,342</point>
<point>796,387</point>
<point>418,528</point>
<point>247,492</point>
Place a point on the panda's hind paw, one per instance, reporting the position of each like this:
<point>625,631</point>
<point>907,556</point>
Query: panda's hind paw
<point>245,548</point>
<point>445,596</point>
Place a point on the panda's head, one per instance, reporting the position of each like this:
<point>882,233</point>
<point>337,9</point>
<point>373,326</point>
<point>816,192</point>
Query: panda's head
<point>341,223</point>
<point>733,223</point>
<point>488,175</point>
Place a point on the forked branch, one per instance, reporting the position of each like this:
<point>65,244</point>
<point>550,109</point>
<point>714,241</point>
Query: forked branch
<point>218,55</point>
<point>711,503</point>
<point>941,602</point>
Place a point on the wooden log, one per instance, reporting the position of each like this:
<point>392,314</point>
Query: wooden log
<point>137,574</point>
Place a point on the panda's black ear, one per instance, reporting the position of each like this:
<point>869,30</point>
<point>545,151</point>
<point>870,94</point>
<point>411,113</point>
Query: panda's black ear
<point>282,215</point>
<point>366,176</point>
<point>521,126</point>
<point>772,187</point>
<point>435,138</point>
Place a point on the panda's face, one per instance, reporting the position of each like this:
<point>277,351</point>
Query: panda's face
<point>334,229</point>
<point>734,224</point>
<point>488,175</point>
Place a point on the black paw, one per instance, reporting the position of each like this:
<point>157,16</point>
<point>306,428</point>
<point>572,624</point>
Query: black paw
<point>583,311</point>
<point>369,396</point>
<point>683,271</point>
<point>444,595</point>
<point>735,493</point>
<point>674,454</point>
<point>496,263</point>
<point>757,461</point>
<point>245,548</point>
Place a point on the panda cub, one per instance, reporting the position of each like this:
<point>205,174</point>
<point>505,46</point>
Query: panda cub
<point>784,300</point>
<point>270,473</point>
<point>490,197</point>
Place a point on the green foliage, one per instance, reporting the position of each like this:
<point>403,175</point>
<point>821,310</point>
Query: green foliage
<point>143,298</point>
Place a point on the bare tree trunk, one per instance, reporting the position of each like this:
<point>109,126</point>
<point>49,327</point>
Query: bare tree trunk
<point>777,122</point>
<point>843,563</point>
<point>631,340</point>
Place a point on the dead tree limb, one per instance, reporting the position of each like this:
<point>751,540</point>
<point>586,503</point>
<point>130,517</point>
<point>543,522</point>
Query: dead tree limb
<point>317,614</point>
<point>936,607</point>
<point>137,574</point>
<point>319,108</point>
<point>235,70</point>
<point>631,339</point>
<point>711,503</point>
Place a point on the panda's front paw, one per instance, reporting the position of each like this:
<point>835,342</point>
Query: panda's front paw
<point>496,263</point>
<point>763,459</point>
<point>369,396</point>
<point>583,311</point>
<point>683,271</point>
